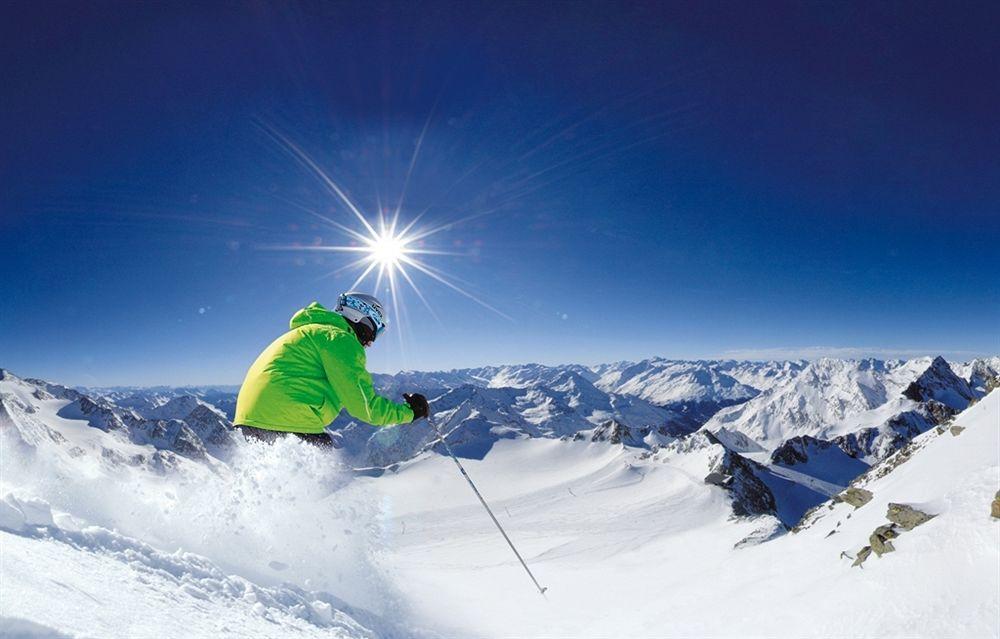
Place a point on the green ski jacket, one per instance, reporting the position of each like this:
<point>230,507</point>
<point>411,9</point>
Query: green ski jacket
<point>302,380</point>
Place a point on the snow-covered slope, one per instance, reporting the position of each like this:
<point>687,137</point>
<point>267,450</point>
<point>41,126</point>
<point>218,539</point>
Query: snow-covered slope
<point>284,540</point>
<point>944,480</point>
<point>92,581</point>
<point>600,527</point>
<point>273,539</point>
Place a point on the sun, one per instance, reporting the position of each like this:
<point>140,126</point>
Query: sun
<point>388,249</point>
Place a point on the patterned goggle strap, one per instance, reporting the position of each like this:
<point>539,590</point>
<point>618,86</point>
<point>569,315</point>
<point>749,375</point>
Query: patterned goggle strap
<point>365,309</point>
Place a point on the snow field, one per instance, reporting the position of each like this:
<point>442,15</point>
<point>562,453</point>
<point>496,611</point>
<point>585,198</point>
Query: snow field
<point>647,551</point>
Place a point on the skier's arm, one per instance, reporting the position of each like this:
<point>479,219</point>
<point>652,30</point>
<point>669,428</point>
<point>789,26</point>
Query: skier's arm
<point>344,364</point>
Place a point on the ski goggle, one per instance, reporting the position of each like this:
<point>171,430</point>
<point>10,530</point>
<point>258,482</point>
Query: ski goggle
<point>372,314</point>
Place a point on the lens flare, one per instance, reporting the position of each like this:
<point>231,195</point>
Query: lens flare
<point>385,253</point>
<point>388,250</point>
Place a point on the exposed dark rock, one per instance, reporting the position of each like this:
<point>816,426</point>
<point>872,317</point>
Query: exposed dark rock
<point>212,428</point>
<point>738,475</point>
<point>956,430</point>
<point>940,413</point>
<point>617,433</point>
<point>690,416</point>
<point>995,506</point>
<point>881,441</point>
<point>793,451</point>
<point>718,479</point>
<point>856,497</point>
<point>879,539</point>
<point>939,382</point>
<point>863,554</point>
<point>98,415</point>
<point>907,517</point>
<point>55,390</point>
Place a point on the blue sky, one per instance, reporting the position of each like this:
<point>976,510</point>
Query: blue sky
<point>685,179</point>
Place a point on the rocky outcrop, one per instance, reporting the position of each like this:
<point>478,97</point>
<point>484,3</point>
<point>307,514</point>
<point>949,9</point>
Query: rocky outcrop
<point>984,376</point>
<point>169,434</point>
<point>901,518</point>
<point>795,450</point>
<point>941,395</point>
<point>54,390</point>
<point>995,506</point>
<point>879,442</point>
<point>738,475</point>
<point>616,432</point>
<point>907,517</point>
<point>940,383</point>
<point>98,415</point>
<point>856,497</point>
<point>879,541</point>
<point>210,426</point>
<point>863,555</point>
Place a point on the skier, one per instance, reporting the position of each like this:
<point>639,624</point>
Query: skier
<point>301,381</point>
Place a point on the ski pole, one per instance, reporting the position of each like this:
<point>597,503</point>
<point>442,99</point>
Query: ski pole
<point>461,468</point>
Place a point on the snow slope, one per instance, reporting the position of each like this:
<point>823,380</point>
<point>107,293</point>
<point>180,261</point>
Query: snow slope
<point>190,542</point>
<point>678,539</point>
<point>59,574</point>
<point>642,548</point>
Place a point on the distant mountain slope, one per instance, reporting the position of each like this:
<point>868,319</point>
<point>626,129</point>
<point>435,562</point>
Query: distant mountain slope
<point>805,429</point>
<point>149,401</point>
<point>475,417</point>
<point>832,398</point>
<point>36,411</point>
<point>672,382</point>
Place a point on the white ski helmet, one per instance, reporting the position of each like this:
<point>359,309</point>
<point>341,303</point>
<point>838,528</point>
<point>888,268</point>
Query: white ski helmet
<point>362,308</point>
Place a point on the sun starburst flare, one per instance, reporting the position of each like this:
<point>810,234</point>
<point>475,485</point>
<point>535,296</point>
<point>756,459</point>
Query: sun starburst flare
<point>385,251</point>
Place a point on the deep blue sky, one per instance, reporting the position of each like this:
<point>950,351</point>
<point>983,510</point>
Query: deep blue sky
<point>680,179</point>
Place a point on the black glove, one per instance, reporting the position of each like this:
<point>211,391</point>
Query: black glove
<point>418,404</point>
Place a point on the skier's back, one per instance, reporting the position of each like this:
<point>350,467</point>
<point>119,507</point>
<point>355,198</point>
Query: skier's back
<point>300,383</point>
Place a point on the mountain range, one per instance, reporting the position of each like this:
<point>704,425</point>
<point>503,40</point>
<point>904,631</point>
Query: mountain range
<point>586,465</point>
<point>798,431</point>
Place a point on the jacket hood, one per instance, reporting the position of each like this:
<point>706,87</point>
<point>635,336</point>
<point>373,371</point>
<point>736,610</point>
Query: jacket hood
<point>316,313</point>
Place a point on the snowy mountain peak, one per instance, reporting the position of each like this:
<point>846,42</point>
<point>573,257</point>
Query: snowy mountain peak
<point>940,383</point>
<point>831,398</point>
<point>676,384</point>
<point>179,408</point>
